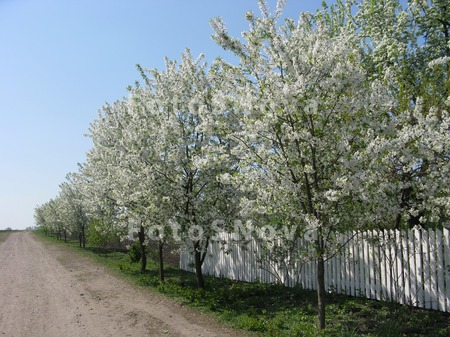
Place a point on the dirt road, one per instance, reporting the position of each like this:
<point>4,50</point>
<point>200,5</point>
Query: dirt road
<point>47,291</point>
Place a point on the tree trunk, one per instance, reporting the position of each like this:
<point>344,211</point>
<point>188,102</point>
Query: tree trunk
<point>83,236</point>
<point>321,292</point>
<point>198,267</point>
<point>143,250</point>
<point>161,261</point>
<point>80,238</point>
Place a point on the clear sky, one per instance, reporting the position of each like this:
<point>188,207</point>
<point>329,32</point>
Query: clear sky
<point>60,61</point>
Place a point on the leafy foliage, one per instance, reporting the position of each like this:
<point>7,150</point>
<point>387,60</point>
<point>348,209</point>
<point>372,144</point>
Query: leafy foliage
<point>102,235</point>
<point>134,252</point>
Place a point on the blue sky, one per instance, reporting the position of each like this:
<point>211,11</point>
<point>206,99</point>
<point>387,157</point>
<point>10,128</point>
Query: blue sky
<point>60,61</point>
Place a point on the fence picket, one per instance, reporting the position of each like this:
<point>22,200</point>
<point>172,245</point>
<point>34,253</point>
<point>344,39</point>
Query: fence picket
<point>371,265</point>
<point>367,265</point>
<point>362,265</point>
<point>349,264</point>
<point>433,277</point>
<point>446,266</point>
<point>339,274</point>
<point>400,269</point>
<point>383,269</point>
<point>418,258</point>
<point>327,273</point>
<point>440,271</point>
<point>314,274</point>
<point>412,268</point>
<point>426,269</point>
<point>393,265</point>
<point>377,272</point>
<point>353,264</point>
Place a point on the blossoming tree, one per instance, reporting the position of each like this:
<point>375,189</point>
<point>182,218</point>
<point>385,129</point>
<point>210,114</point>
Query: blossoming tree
<point>179,142</point>
<point>308,114</point>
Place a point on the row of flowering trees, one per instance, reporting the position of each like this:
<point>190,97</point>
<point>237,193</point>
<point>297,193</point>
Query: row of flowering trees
<point>335,122</point>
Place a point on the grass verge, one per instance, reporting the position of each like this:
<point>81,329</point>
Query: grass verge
<point>4,234</point>
<point>273,310</point>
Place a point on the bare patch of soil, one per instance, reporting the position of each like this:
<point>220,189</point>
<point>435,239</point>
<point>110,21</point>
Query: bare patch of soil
<point>47,290</point>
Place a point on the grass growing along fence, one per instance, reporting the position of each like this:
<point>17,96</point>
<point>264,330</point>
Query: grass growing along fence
<point>274,310</point>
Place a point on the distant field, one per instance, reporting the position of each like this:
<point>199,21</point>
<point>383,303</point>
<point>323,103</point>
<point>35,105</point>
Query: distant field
<point>4,235</point>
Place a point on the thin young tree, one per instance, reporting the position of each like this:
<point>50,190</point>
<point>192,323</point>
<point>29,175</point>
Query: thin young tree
<point>308,114</point>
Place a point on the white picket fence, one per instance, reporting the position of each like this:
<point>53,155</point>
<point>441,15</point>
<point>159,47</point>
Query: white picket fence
<point>408,267</point>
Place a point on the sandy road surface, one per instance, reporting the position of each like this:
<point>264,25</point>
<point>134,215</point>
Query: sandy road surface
<point>47,291</point>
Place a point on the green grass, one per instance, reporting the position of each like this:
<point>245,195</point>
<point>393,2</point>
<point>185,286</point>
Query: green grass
<point>273,310</point>
<point>4,234</point>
